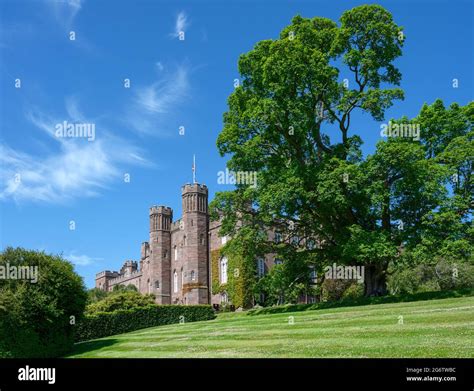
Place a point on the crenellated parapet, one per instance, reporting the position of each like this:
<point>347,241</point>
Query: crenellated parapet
<point>160,218</point>
<point>194,197</point>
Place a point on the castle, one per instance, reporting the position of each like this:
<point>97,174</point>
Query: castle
<point>175,263</point>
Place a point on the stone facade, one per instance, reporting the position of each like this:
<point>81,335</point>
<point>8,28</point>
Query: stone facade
<point>174,263</point>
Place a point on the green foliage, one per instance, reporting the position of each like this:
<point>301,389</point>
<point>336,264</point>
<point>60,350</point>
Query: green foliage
<point>36,319</point>
<point>103,324</point>
<point>354,302</point>
<point>289,121</point>
<point>354,291</point>
<point>440,274</point>
<point>334,289</point>
<point>242,266</point>
<point>95,294</point>
<point>216,285</point>
<point>286,283</point>
<point>125,288</point>
<point>120,300</point>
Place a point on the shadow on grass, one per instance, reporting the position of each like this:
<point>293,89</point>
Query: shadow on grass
<point>89,346</point>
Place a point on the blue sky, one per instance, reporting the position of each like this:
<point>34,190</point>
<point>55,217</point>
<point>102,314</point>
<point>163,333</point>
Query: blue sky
<point>173,83</point>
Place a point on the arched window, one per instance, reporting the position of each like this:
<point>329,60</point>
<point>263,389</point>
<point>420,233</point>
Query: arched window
<point>175,282</point>
<point>157,284</point>
<point>224,298</point>
<point>184,240</point>
<point>193,276</point>
<point>202,239</point>
<point>260,267</point>
<point>223,270</point>
<point>148,285</point>
<point>175,253</point>
<point>182,277</point>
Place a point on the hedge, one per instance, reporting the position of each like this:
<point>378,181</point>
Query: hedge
<point>104,324</point>
<point>350,302</point>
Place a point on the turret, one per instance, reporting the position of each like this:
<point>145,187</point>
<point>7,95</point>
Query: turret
<point>192,268</point>
<point>157,274</point>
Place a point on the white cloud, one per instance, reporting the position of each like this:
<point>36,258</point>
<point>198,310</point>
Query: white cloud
<point>181,24</point>
<point>159,66</point>
<point>76,168</point>
<point>65,11</point>
<point>81,260</point>
<point>158,99</point>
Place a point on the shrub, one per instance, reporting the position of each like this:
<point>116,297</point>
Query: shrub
<point>441,275</point>
<point>354,291</point>
<point>103,324</point>
<point>333,289</point>
<point>95,294</point>
<point>36,317</point>
<point>122,300</point>
<point>363,300</point>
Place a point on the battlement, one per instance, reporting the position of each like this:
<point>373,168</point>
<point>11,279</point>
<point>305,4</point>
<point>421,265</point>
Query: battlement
<point>107,273</point>
<point>123,278</point>
<point>194,188</point>
<point>161,209</point>
<point>175,225</point>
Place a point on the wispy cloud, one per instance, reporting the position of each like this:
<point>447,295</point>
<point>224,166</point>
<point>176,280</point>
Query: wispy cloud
<point>181,24</point>
<point>153,102</point>
<point>81,260</point>
<point>75,168</point>
<point>65,11</point>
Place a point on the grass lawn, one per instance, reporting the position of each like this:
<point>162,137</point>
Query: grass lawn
<point>434,328</point>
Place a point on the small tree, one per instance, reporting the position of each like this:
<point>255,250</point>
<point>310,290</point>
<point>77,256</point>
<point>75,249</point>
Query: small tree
<point>37,318</point>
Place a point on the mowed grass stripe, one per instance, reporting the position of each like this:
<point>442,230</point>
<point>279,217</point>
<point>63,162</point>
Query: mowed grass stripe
<point>436,328</point>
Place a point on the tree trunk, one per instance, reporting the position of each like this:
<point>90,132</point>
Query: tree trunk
<point>375,280</point>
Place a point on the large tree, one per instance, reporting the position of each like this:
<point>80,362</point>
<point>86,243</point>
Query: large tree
<point>290,122</point>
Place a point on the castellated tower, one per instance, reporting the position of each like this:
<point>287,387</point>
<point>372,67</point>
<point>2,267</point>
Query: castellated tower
<point>156,255</point>
<point>189,270</point>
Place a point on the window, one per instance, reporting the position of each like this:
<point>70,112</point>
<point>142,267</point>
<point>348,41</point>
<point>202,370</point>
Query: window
<point>184,240</point>
<point>175,253</point>
<point>203,242</point>
<point>313,275</point>
<point>261,267</point>
<point>175,282</point>
<point>182,277</point>
<point>193,276</point>
<point>157,284</point>
<point>224,298</point>
<point>224,270</point>
<point>277,237</point>
<point>148,285</point>
<point>278,261</point>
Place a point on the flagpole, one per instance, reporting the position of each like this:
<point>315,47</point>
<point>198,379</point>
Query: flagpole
<point>194,168</point>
